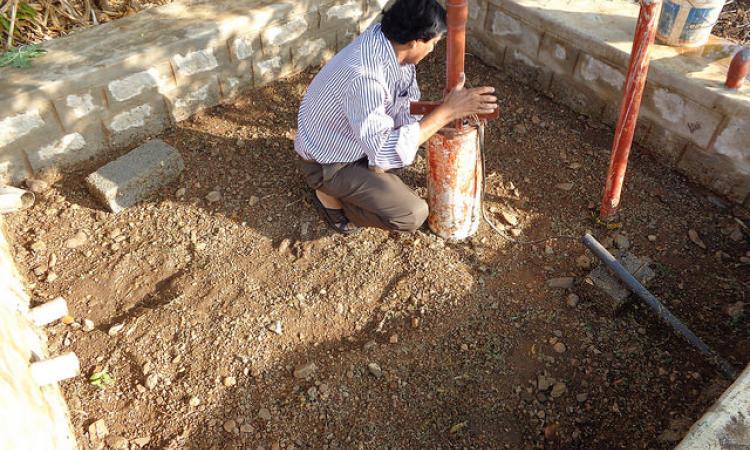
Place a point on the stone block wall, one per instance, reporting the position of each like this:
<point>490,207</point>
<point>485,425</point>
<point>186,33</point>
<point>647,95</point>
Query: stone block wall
<point>577,52</point>
<point>31,416</point>
<point>114,85</point>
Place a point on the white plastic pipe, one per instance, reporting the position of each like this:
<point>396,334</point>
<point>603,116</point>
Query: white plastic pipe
<point>13,199</point>
<point>55,369</point>
<point>49,312</point>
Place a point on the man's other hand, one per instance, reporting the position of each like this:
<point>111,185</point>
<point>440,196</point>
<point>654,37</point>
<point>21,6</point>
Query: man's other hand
<point>461,102</point>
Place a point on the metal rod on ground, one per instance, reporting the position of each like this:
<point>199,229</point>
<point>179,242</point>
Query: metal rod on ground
<point>645,31</point>
<point>738,69</point>
<point>654,303</point>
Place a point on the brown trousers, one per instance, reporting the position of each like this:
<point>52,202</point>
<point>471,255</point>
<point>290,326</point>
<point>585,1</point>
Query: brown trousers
<point>369,199</point>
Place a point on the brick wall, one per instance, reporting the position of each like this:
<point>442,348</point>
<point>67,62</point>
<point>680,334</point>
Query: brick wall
<point>577,52</point>
<point>31,416</point>
<point>114,85</point>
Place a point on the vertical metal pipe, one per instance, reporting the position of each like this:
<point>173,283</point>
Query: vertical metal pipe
<point>738,69</point>
<point>458,14</point>
<point>645,30</point>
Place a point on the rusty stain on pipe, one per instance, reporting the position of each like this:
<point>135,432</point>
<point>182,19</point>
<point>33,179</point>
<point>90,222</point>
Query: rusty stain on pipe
<point>738,69</point>
<point>454,183</point>
<point>645,31</point>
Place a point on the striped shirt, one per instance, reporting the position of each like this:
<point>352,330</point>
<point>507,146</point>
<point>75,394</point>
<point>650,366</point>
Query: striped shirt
<point>358,106</point>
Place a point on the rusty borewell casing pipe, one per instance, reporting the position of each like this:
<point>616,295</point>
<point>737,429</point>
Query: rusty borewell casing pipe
<point>454,164</point>
<point>454,183</point>
<point>738,69</point>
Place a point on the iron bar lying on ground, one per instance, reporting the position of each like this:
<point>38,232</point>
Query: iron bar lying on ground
<point>645,31</point>
<point>655,305</point>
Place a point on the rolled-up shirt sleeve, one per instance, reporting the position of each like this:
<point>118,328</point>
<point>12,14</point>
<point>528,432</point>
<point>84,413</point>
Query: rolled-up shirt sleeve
<point>385,145</point>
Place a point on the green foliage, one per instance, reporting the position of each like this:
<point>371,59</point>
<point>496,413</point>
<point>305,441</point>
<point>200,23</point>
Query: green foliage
<point>101,379</point>
<point>21,57</point>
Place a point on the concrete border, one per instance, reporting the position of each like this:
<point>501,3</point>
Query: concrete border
<point>577,52</point>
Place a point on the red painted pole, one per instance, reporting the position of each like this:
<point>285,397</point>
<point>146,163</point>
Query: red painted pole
<point>645,31</point>
<point>458,14</point>
<point>738,69</point>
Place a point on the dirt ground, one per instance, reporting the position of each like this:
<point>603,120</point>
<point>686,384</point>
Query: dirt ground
<point>734,22</point>
<point>209,317</point>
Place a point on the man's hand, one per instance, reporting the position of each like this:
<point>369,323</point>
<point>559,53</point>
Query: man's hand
<point>462,102</point>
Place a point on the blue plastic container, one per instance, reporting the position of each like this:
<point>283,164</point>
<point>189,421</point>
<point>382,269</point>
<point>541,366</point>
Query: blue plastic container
<point>687,23</point>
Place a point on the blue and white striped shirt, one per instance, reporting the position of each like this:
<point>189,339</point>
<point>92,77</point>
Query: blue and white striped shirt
<point>358,106</point>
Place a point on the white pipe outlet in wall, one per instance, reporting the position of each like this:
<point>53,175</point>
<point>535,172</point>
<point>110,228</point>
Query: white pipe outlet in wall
<point>55,369</point>
<point>49,312</point>
<point>13,199</point>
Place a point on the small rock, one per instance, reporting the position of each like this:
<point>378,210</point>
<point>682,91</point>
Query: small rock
<point>543,383</point>
<point>561,283</point>
<point>194,401</point>
<point>151,381</point>
<point>572,300</point>
<point>77,240</point>
<point>520,129</point>
<point>247,428</point>
<point>652,238</point>
<point>550,431</point>
<point>575,166</point>
<point>230,381</point>
<point>118,443</point>
<point>622,242</point>
<point>213,197</point>
<point>393,339</point>
<point>340,308</point>
<point>98,430</point>
<point>180,192</point>
<point>37,186</point>
<point>305,370</point>
<point>736,235</point>
<point>375,370</point>
<point>558,390</point>
<point>253,200</point>
<point>88,325</point>
<point>583,261</point>
<point>415,322</point>
<point>51,276</point>
<point>510,218</point>
<point>264,414</point>
<point>580,398</point>
<point>284,246</point>
<point>559,347</point>
<point>564,186</point>
<point>369,345</point>
<point>230,426</point>
<point>114,329</point>
<point>515,232</point>
<point>276,327</point>
<point>696,239</point>
<point>142,442</point>
<point>38,246</point>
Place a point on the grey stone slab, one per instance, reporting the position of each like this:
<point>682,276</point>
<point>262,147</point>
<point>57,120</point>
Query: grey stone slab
<point>136,175</point>
<point>612,286</point>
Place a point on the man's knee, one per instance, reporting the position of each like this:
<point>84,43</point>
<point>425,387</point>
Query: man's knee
<point>413,216</point>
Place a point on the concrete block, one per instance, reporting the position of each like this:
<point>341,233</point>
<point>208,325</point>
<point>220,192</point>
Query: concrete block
<point>138,86</point>
<point>188,99</point>
<point>603,79</point>
<point>81,107</point>
<point>377,6</point>
<point>681,115</point>
<point>69,149</point>
<point>612,286</point>
<point>733,140</point>
<point>198,62</point>
<point>232,86</point>
<point>611,113</point>
<point>717,172</point>
<point>132,125</point>
<point>570,93</point>
<point>243,47</point>
<point>345,36</point>
<point>513,33</point>
<point>272,67</point>
<point>14,127</point>
<point>489,50</point>
<point>13,167</point>
<point>136,175</point>
<point>286,32</point>
<point>477,16</point>
<point>341,14</point>
<point>527,70</point>
<point>557,55</point>
<point>314,50</point>
<point>666,146</point>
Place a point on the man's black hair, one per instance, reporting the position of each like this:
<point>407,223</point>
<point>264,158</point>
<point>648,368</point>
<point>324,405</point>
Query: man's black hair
<point>409,20</point>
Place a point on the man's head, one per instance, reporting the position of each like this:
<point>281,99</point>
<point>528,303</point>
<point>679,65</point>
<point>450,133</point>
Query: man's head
<point>415,26</point>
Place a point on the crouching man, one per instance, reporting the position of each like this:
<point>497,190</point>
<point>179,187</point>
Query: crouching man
<point>354,123</point>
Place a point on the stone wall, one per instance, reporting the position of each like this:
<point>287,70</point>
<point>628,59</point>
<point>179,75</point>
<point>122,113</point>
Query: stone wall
<point>114,85</point>
<point>31,416</point>
<point>577,52</point>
